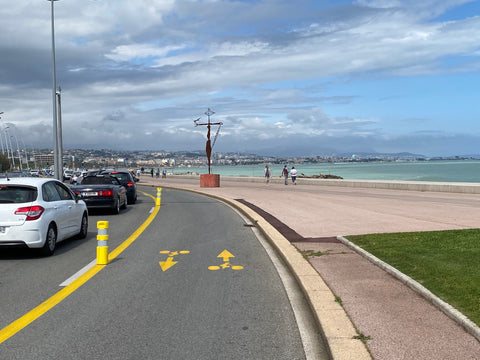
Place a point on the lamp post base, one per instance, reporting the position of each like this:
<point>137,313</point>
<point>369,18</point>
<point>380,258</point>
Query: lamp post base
<point>209,180</point>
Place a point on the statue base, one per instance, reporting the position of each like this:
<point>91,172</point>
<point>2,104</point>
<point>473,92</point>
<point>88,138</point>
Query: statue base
<point>209,180</point>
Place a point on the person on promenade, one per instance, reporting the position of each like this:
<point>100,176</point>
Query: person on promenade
<point>151,172</point>
<point>164,173</point>
<point>293,174</point>
<point>157,173</point>
<point>285,174</point>
<point>267,174</point>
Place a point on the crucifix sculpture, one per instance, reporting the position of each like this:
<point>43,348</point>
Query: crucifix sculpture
<point>209,145</point>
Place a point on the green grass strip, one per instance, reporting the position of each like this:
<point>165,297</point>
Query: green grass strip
<point>445,262</point>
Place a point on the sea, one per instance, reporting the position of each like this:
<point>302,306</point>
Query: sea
<point>439,171</point>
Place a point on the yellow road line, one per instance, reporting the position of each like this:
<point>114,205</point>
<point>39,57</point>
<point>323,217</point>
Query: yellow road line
<point>41,309</point>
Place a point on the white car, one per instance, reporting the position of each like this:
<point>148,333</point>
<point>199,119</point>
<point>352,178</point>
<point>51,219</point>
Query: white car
<point>38,213</point>
<point>67,174</point>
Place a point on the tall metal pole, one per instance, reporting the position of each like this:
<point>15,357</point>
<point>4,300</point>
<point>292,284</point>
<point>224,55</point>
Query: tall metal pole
<point>26,152</point>
<point>9,148</point>
<point>58,168</point>
<point>18,150</point>
<point>1,137</point>
<point>1,141</point>
<point>4,131</point>
<point>59,126</point>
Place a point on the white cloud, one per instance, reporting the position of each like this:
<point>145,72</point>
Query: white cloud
<point>140,51</point>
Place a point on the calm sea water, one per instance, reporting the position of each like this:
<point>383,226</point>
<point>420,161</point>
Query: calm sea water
<point>443,171</point>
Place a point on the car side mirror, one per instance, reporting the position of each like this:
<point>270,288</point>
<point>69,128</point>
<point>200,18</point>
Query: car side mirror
<point>78,197</point>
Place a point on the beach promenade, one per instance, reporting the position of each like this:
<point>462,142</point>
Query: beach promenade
<point>399,323</point>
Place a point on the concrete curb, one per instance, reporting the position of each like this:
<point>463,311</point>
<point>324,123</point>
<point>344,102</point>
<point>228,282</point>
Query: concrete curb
<point>333,321</point>
<point>446,308</point>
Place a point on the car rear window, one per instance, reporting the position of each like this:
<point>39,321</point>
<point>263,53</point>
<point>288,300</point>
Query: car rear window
<point>17,194</point>
<point>124,178</point>
<point>99,179</point>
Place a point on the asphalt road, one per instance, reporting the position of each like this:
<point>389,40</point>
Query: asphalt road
<point>196,284</point>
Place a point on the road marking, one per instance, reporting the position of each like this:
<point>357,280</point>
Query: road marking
<point>167,264</point>
<point>48,304</point>
<point>225,255</point>
<point>79,273</point>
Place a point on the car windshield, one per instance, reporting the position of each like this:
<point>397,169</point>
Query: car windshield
<point>17,194</point>
<point>93,180</point>
<point>123,177</point>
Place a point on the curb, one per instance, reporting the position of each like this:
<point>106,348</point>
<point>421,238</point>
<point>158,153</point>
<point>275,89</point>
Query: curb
<point>446,308</point>
<point>337,329</point>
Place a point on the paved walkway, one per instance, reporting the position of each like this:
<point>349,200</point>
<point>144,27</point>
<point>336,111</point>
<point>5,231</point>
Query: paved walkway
<point>400,323</point>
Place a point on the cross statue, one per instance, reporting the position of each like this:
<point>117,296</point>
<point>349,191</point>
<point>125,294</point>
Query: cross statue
<point>209,145</point>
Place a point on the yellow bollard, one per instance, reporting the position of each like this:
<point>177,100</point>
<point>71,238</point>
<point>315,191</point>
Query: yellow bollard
<point>159,196</point>
<point>102,245</point>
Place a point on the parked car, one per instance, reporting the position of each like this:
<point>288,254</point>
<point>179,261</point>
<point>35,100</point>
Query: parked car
<point>128,181</point>
<point>91,172</point>
<point>102,192</point>
<point>67,174</point>
<point>38,213</point>
<point>76,177</point>
<point>15,174</point>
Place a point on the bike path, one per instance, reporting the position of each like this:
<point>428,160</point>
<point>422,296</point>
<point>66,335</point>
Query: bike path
<point>195,284</point>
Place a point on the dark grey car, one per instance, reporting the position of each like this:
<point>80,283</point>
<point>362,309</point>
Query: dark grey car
<point>127,180</point>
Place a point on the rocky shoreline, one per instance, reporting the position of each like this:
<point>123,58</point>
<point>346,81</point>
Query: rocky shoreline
<point>321,176</point>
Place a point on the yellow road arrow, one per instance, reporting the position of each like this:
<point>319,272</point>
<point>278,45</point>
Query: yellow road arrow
<point>225,254</point>
<point>165,265</point>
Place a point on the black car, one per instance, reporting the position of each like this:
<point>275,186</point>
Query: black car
<point>102,191</point>
<point>127,180</point>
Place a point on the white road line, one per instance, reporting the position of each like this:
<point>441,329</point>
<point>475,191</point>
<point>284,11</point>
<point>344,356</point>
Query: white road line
<point>151,210</point>
<point>79,273</point>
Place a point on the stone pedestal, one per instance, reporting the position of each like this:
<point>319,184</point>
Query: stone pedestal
<point>209,180</point>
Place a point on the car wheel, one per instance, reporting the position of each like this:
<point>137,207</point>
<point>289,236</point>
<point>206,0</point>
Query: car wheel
<point>83,227</point>
<point>50,242</point>
<point>116,207</point>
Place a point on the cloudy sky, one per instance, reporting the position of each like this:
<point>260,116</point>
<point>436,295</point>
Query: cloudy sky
<point>285,77</point>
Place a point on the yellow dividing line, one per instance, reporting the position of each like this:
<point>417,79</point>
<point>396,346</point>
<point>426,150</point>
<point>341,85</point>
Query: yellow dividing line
<point>41,309</point>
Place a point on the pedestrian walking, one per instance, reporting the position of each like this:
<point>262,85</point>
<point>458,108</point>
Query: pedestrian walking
<point>293,174</point>
<point>285,174</point>
<point>151,172</point>
<point>267,173</point>
<point>157,173</point>
<point>164,173</point>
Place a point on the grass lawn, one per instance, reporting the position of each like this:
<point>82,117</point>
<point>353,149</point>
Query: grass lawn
<point>445,262</point>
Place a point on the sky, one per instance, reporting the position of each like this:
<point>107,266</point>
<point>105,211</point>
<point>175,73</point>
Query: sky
<point>285,78</point>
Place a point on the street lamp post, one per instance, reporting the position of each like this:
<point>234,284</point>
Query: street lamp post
<point>1,137</point>
<point>57,151</point>
<point>59,125</point>
<point>18,150</point>
<point>9,148</point>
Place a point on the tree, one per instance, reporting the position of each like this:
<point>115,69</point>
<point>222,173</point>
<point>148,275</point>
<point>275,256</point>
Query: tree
<point>4,163</point>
